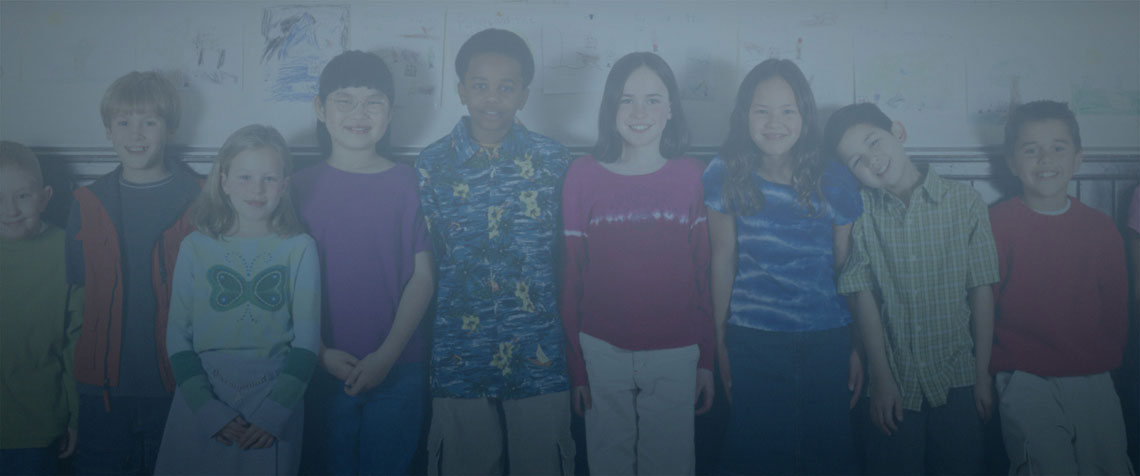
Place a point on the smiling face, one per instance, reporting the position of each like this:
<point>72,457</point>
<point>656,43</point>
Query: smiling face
<point>643,110</point>
<point>355,117</point>
<point>139,139</point>
<point>254,184</point>
<point>774,120</point>
<point>875,155</point>
<point>22,200</point>
<point>493,91</point>
<point>1045,160</point>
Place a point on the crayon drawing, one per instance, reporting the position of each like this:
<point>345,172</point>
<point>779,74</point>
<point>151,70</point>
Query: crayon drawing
<point>298,42</point>
<point>411,45</point>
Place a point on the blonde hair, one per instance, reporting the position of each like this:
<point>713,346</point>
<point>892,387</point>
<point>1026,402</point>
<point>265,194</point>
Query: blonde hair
<point>213,214</point>
<point>15,154</point>
<point>142,92</point>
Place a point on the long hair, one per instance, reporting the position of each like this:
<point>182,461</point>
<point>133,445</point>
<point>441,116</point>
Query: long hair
<point>213,213</point>
<point>675,135</point>
<point>355,69</point>
<point>742,156</point>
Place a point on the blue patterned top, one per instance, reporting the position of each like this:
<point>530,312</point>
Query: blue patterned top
<point>785,275</point>
<point>493,217</point>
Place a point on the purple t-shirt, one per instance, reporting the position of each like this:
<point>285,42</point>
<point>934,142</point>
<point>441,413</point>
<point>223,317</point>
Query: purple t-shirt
<point>368,228</point>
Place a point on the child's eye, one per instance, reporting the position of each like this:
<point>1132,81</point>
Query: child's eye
<point>506,89</point>
<point>1060,148</point>
<point>626,101</point>
<point>479,86</point>
<point>654,101</point>
<point>151,123</point>
<point>1029,151</point>
<point>122,123</point>
<point>23,196</point>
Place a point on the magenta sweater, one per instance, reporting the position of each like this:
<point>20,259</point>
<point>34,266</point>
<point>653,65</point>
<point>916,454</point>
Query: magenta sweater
<point>1061,304</point>
<point>636,260</point>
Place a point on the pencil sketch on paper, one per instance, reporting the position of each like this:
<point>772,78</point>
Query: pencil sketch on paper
<point>913,81</point>
<point>299,41</point>
<point>410,44</point>
<point>415,72</point>
<point>212,59</point>
<point>575,62</point>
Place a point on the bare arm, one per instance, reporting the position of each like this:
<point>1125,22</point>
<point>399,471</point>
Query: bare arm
<point>722,244</point>
<point>886,401</point>
<point>982,320</point>
<point>842,247</point>
<point>414,302</point>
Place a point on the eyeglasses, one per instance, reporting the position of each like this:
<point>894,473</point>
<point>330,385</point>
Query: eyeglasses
<point>347,104</point>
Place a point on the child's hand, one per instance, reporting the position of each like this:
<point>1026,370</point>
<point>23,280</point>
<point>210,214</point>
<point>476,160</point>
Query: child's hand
<point>886,405</point>
<point>256,438</point>
<point>338,362</point>
<point>706,389</point>
<point>233,431</point>
<point>855,377</point>
<point>370,372</point>
<point>984,397</point>
<point>580,400</point>
<point>725,372</point>
<point>67,443</point>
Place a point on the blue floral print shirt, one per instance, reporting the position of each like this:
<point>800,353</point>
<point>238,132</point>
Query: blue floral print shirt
<point>493,217</point>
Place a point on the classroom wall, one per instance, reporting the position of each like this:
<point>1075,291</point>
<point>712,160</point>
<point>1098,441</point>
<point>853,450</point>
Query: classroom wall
<point>947,69</point>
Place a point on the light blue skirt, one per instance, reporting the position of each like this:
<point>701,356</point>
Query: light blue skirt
<point>241,383</point>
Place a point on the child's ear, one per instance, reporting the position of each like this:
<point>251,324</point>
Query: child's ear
<point>898,131</point>
<point>109,134</point>
<point>45,197</point>
<point>525,95</point>
<point>318,108</point>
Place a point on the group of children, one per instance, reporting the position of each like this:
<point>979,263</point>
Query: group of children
<point>177,326</point>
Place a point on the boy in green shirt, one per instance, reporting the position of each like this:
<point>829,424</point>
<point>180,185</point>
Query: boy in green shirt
<point>922,259</point>
<point>37,392</point>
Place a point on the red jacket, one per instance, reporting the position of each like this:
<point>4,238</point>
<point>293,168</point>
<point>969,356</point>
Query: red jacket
<point>99,268</point>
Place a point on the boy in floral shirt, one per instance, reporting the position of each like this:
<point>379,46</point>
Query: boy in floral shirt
<point>489,191</point>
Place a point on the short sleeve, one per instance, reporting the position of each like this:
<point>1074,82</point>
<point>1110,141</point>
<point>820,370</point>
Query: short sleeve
<point>981,252</point>
<point>841,191</point>
<point>1134,211</point>
<point>856,273</point>
<point>713,182</point>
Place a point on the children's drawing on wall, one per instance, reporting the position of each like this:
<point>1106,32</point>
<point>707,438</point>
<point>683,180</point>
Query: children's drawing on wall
<point>817,42</point>
<point>82,49</point>
<point>995,85</point>
<point>214,58</point>
<point>923,80</point>
<point>299,41</point>
<point>1116,93</point>
<point>576,57</point>
<point>691,39</point>
<point>411,44</point>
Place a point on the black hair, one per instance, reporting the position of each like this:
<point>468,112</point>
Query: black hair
<point>674,137</point>
<point>355,69</point>
<point>846,118</point>
<point>742,157</point>
<point>1038,111</point>
<point>493,40</point>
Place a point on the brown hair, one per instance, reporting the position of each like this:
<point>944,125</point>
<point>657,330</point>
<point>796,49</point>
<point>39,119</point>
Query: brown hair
<point>135,92</point>
<point>213,213</point>
<point>15,154</point>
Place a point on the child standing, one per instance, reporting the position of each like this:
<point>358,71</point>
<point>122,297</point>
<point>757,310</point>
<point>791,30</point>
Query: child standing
<point>244,319</point>
<point>37,336</point>
<point>490,192</point>
<point>122,242</point>
<point>1062,312</point>
<point>635,299</point>
<point>922,259</point>
<point>363,209</point>
<point>779,221</point>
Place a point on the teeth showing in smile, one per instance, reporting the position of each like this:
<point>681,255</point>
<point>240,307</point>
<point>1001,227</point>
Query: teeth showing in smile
<point>640,127</point>
<point>136,149</point>
<point>1046,175</point>
<point>359,130</point>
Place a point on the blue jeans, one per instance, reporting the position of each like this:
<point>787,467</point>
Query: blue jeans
<point>122,441</point>
<point>946,439</point>
<point>376,432</point>
<point>32,461</point>
<point>790,403</point>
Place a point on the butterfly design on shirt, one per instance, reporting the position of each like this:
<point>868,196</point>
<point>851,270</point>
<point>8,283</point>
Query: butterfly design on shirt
<point>267,290</point>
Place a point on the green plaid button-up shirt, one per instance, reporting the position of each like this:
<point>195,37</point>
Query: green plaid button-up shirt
<point>920,261</point>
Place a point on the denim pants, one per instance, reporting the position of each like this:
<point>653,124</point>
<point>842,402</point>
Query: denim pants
<point>946,439</point>
<point>375,432</point>
<point>790,403</point>
<point>29,461</point>
<point>122,441</point>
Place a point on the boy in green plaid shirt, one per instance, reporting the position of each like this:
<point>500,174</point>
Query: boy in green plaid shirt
<point>922,259</point>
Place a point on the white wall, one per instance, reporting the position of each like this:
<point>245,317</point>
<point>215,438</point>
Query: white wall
<point>947,69</point>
